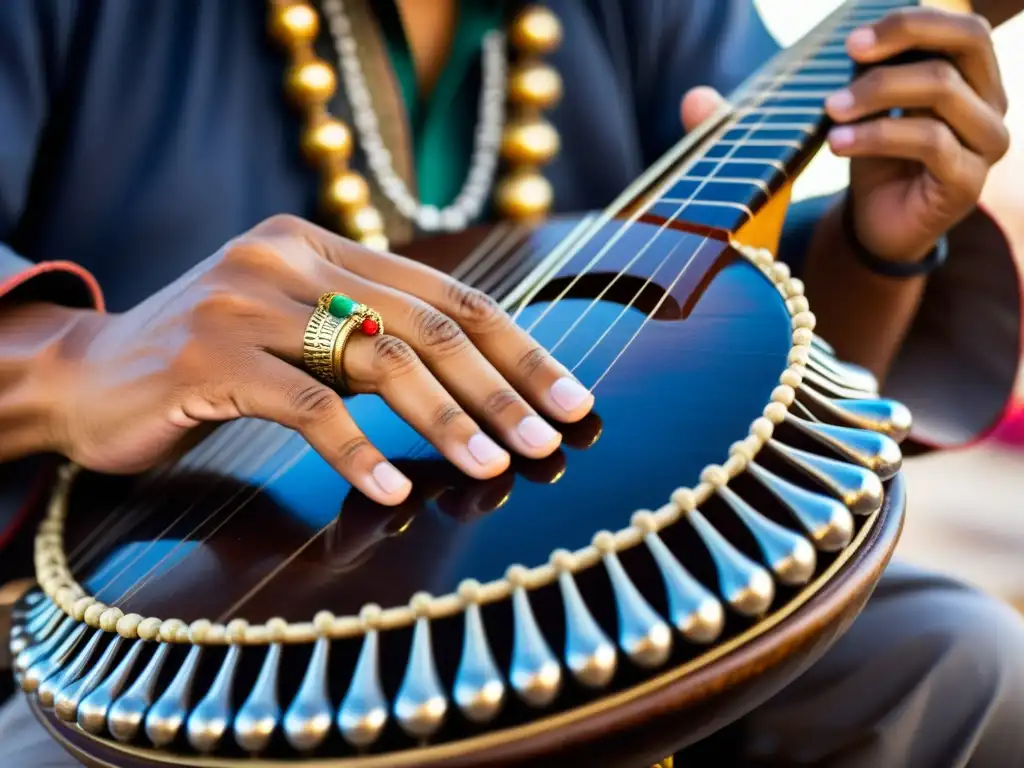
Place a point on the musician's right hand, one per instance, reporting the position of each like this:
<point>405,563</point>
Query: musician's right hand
<point>224,341</point>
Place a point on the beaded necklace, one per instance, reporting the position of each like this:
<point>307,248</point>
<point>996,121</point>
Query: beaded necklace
<point>526,142</point>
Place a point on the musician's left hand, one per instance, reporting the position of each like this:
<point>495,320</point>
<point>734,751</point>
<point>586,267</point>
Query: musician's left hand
<point>912,177</point>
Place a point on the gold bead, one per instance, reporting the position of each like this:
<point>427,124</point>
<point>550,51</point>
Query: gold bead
<point>348,191</point>
<point>329,139</point>
<point>293,24</point>
<point>534,84</point>
<point>312,82</point>
<point>376,243</point>
<point>524,195</point>
<point>531,141</point>
<point>536,30</point>
<point>364,222</point>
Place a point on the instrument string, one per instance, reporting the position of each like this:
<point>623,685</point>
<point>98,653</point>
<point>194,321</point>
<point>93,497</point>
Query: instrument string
<point>124,516</point>
<point>238,458</point>
<point>152,573</point>
<point>424,446</point>
<point>269,451</point>
<point>758,100</point>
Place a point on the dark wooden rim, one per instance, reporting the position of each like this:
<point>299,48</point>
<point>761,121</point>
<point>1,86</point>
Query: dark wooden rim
<point>840,598</point>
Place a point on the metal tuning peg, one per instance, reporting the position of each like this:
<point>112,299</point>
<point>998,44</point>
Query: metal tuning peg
<point>872,450</point>
<point>695,612</point>
<point>212,715</point>
<point>308,719</point>
<point>847,374</point>
<point>46,643</point>
<point>50,664</point>
<point>71,694</point>
<point>827,520</point>
<point>879,415</point>
<point>590,654</point>
<point>165,718</point>
<point>790,556</point>
<point>535,674</point>
<point>93,711</point>
<point>479,689</point>
<point>643,635</point>
<point>858,488</point>
<point>49,688</point>
<point>364,710</point>
<point>420,706</point>
<point>746,586</point>
<point>126,713</point>
<point>826,384</point>
<point>260,715</point>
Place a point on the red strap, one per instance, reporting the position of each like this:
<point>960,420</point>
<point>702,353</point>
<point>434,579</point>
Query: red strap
<point>21,278</point>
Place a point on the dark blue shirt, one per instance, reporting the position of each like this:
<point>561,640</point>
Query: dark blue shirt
<point>137,137</point>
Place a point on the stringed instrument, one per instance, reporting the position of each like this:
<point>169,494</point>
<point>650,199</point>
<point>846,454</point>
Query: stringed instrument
<point>700,538</point>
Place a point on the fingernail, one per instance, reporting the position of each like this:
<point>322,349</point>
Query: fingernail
<point>841,100</point>
<point>485,450</point>
<point>569,394</point>
<point>841,136</point>
<point>536,432</point>
<point>389,479</point>
<point>862,39</point>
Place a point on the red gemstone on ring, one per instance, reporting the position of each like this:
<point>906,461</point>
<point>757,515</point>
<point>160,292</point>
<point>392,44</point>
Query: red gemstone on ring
<point>369,326</point>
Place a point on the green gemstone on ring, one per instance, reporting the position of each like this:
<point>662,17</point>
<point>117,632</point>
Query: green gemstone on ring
<point>341,306</point>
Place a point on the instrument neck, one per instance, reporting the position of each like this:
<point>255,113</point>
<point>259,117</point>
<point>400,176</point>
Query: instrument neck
<point>775,125</point>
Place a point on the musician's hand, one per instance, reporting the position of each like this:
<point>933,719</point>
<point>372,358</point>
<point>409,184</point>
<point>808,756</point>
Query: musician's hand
<point>913,177</point>
<point>225,341</point>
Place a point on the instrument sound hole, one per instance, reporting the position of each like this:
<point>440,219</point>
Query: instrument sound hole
<point>640,293</point>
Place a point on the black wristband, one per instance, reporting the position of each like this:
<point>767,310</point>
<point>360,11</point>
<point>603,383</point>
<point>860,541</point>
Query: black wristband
<point>934,259</point>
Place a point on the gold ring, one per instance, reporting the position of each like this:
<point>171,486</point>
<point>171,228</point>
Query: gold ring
<point>331,325</point>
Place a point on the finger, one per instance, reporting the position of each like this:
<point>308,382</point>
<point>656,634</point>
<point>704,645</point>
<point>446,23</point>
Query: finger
<point>926,140</point>
<point>935,85</point>
<point>698,105</point>
<point>528,367</point>
<point>389,367</point>
<point>281,393</point>
<point>966,37</point>
<point>461,368</point>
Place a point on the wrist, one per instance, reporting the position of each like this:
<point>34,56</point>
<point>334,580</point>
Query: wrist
<point>903,264</point>
<point>39,347</point>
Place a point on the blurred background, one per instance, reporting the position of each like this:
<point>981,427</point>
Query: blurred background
<point>966,508</point>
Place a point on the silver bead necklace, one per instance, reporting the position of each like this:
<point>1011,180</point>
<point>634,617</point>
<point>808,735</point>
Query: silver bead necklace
<point>486,145</point>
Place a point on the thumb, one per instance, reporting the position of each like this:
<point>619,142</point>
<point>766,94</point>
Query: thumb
<point>698,105</point>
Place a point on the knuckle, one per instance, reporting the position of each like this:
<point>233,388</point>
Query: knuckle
<point>874,133</point>
<point>220,305</point>
<point>252,253</point>
<point>280,224</point>
<point>473,308</point>
<point>1001,144</point>
<point>977,26</point>
<point>943,76</point>
<point>312,402</point>
<point>350,451</point>
<point>447,414</point>
<point>393,357</point>
<point>436,331</point>
<point>500,401</point>
<point>871,82</point>
<point>530,361</point>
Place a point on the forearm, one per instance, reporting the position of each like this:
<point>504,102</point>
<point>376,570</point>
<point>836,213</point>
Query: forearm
<point>33,340</point>
<point>864,316</point>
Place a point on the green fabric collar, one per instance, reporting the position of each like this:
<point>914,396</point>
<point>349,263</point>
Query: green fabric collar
<point>442,127</point>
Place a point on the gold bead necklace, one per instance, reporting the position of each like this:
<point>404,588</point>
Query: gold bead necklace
<point>528,141</point>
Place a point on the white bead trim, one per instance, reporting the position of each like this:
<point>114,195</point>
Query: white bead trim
<point>60,586</point>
